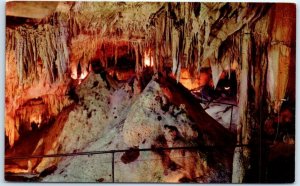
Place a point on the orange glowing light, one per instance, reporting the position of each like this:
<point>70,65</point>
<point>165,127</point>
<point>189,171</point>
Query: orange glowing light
<point>83,75</point>
<point>190,83</point>
<point>74,74</point>
<point>16,170</point>
<point>147,60</point>
<point>36,119</point>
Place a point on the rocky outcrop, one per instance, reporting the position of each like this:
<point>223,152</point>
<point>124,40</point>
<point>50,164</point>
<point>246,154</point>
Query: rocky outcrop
<point>148,120</point>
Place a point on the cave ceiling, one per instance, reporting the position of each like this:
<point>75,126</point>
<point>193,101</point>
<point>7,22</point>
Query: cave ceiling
<point>161,26</point>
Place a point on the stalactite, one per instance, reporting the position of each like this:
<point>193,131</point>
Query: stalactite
<point>19,57</point>
<point>184,33</point>
<point>175,51</point>
<point>199,54</point>
<point>136,52</point>
<point>167,36</point>
<point>140,55</point>
<point>30,44</point>
<point>26,48</point>
<point>181,17</point>
<point>216,69</point>
<point>260,62</point>
<point>156,58</point>
<point>11,130</point>
<point>55,104</point>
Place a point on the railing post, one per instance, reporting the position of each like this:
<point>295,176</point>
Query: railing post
<point>113,167</point>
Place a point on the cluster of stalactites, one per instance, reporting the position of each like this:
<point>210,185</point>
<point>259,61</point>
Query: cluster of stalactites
<point>180,35</point>
<point>49,106</point>
<point>193,35</point>
<point>38,48</point>
<point>187,35</point>
<point>177,35</point>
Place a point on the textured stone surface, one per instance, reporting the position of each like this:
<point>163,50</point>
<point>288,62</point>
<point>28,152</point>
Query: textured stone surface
<point>141,123</point>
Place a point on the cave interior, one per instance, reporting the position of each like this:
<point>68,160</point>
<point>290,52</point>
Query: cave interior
<point>150,92</point>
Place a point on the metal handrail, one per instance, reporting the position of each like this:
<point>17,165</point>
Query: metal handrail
<point>103,152</point>
<point>89,153</point>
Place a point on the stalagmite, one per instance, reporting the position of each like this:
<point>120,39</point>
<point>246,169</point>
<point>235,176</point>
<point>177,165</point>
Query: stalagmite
<point>242,154</point>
